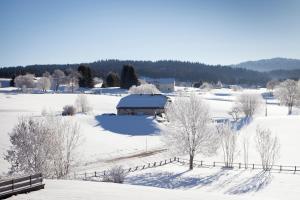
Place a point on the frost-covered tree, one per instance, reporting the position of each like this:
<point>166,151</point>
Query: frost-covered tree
<point>72,79</point>
<point>44,83</point>
<point>228,140</point>
<point>25,81</point>
<point>288,93</point>
<point>45,144</point>
<point>189,128</point>
<point>268,147</point>
<point>248,104</point>
<point>144,89</point>
<point>271,85</point>
<point>245,144</point>
<point>82,104</point>
<point>235,113</point>
<point>58,78</point>
<point>206,86</point>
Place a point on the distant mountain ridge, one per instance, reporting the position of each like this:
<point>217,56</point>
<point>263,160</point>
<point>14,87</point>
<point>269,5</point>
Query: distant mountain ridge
<point>266,65</point>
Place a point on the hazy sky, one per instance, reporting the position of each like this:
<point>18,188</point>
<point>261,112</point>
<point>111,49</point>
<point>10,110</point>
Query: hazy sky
<point>211,31</point>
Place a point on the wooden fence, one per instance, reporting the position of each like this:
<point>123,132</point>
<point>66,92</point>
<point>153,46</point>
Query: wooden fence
<point>274,168</point>
<point>101,174</point>
<point>21,185</point>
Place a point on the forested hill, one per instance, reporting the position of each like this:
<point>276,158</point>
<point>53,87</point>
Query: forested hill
<point>181,71</point>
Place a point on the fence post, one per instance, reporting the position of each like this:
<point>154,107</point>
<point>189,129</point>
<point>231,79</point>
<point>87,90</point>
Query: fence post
<point>177,159</point>
<point>154,164</point>
<point>253,166</point>
<point>165,161</point>
<point>174,158</point>
<point>201,163</point>
<point>12,184</point>
<point>170,160</point>
<point>160,163</point>
<point>214,164</point>
<point>239,165</point>
<point>280,168</point>
<point>295,169</point>
<point>95,174</point>
<point>104,173</point>
<point>149,165</point>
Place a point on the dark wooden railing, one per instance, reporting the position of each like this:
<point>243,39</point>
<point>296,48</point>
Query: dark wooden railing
<point>21,185</point>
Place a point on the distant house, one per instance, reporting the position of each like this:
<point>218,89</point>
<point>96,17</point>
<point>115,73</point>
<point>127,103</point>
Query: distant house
<point>165,85</point>
<point>142,104</point>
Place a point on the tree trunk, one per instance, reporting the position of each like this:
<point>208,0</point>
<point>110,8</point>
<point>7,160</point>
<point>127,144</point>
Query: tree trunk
<point>191,162</point>
<point>290,110</point>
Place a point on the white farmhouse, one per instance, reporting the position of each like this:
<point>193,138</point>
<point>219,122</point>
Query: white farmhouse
<point>142,104</point>
<point>165,85</point>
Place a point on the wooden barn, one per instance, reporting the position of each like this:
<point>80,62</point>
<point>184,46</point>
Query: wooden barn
<point>142,104</point>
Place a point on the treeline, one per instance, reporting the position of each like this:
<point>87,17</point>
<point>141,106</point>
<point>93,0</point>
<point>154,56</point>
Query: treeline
<point>181,71</point>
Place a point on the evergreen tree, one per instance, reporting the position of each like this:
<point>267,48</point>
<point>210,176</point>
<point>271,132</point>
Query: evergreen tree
<point>128,77</point>
<point>86,78</point>
<point>112,80</point>
<point>12,81</point>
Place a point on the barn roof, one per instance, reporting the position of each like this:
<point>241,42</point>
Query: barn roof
<point>143,101</point>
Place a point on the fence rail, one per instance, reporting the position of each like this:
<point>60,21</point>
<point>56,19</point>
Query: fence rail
<point>101,174</point>
<point>197,163</point>
<point>21,185</point>
<point>278,168</point>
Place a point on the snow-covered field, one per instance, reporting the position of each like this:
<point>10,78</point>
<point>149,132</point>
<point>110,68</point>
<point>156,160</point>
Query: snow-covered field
<point>123,140</point>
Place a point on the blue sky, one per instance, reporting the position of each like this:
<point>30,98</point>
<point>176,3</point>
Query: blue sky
<point>211,31</point>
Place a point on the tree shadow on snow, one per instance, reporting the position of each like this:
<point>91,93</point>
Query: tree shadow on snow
<point>172,181</point>
<point>128,124</point>
<point>252,184</point>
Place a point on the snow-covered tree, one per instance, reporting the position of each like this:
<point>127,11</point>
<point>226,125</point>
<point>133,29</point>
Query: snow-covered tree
<point>46,144</point>
<point>82,104</point>
<point>25,81</point>
<point>235,113</point>
<point>144,89</point>
<point>228,140</point>
<point>189,128</point>
<point>206,86</point>
<point>246,143</point>
<point>44,84</point>
<point>249,104</point>
<point>58,77</point>
<point>271,85</point>
<point>267,146</point>
<point>288,93</point>
<point>72,79</point>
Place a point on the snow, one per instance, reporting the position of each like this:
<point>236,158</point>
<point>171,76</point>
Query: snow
<point>124,140</point>
<point>143,101</point>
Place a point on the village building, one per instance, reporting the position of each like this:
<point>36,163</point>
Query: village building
<point>142,104</point>
<point>165,85</point>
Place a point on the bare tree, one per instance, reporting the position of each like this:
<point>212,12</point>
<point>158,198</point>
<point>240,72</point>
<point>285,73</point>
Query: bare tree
<point>25,81</point>
<point>228,143</point>
<point>82,104</point>
<point>45,144</point>
<point>72,79</point>
<point>249,104</point>
<point>267,146</point>
<point>288,92</point>
<point>144,89</point>
<point>58,77</point>
<point>189,130</point>
<point>44,84</point>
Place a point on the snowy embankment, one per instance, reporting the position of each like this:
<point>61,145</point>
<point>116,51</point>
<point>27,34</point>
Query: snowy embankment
<point>176,182</point>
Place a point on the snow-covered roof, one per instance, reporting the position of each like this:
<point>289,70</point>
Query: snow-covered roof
<point>143,101</point>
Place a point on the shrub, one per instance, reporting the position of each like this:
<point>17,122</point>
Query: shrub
<point>115,175</point>
<point>68,110</point>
